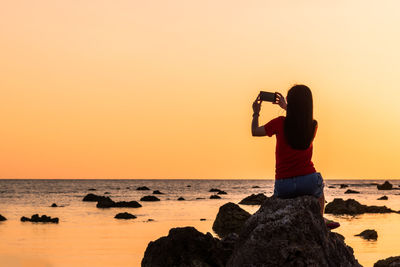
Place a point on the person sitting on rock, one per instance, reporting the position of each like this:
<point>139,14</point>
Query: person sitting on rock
<point>295,174</point>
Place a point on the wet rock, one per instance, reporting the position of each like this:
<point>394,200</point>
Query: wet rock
<point>230,219</point>
<point>149,198</point>
<point>92,189</point>
<point>253,199</point>
<point>142,188</point>
<point>289,232</point>
<point>157,192</point>
<point>93,198</point>
<point>255,186</point>
<point>215,197</point>
<point>388,262</point>
<point>37,218</point>
<point>352,207</point>
<point>214,190</point>
<point>343,186</point>
<point>2,218</point>
<point>185,247</point>
<point>54,205</point>
<point>349,191</point>
<point>222,193</point>
<point>125,215</point>
<point>383,198</point>
<point>368,234</point>
<point>385,186</point>
<point>109,203</point>
<point>181,198</point>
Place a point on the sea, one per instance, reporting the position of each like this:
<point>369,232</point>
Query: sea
<point>90,236</point>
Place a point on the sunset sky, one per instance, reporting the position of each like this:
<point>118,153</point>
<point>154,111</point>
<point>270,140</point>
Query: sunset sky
<point>163,89</point>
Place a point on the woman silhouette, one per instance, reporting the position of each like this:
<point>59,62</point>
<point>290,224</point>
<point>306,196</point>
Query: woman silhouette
<point>295,174</point>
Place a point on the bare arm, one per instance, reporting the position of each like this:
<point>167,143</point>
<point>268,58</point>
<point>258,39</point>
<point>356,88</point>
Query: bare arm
<point>255,129</point>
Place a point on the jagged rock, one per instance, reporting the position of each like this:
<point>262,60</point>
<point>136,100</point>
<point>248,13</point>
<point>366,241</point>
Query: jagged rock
<point>37,218</point>
<point>383,198</point>
<point>388,262</point>
<point>157,192</point>
<point>385,186</point>
<point>215,197</point>
<point>54,205</point>
<point>93,197</point>
<point>142,188</point>
<point>352,207</point>
<point>368,234</point>
<point>289,232</point>
<point>2,218</point>
<point>343,186</point>
<point>181,198</point>
<point>149,198</point>
<point>109,203</point>
<point>222,193</point>
<point>185,247</point>
<point>349,191</point>
<point>253,199</point>
<point>230,219</point>
<point>214,190</point>
<point>125,215</point>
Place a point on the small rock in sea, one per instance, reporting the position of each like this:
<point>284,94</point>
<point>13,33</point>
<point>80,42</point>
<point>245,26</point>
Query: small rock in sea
<point>368,234</point>
<point>343,186</point>
<point>255,186</point>
<point>215,197</point>
<point>351,207</point>
<point>157,192</point>
<point>230,219</point>
<point>125,215</point>
<point>149,198</point>
<point>388,262</point>
<point>127,187</point>
<point>222,193</point>
<point>93,197</point>
<point>142,188</point>
<point>331,186</point>
<point>2,218</point>
<point>385,186</point>
<point>150,220</point>
<point>109,203</point>
<point>349,191</point>
<point>383,198</point>
<point>54,205</point>
<point>202,219</point>
<point>200,198</point>
<point>181,198</point>
<point>92,189</point>
<point>214,190</point>
<point>37,218</point>
<point>106,193</point>
<point>253,199</point>
<point>188,185</point>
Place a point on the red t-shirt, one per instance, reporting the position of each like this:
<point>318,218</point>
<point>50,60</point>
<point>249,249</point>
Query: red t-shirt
<point>289,162</point>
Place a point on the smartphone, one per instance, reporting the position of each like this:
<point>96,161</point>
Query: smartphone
<point>267,96</point>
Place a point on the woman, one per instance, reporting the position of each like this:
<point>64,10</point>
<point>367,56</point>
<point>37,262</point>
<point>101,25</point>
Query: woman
<point>295,174</point>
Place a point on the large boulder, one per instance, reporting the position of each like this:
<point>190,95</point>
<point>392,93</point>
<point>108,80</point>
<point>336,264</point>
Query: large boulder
<point>230,219</point>
<point>253,199</point>
<point>368,234</point>
<point>388,262</point>
<point>385,186</point>
<point>109,203</point>
<point>352,207</point>
<point>290,232</point>
<point>2,218</point>
<point>185,247</point>
<point>93,197</point>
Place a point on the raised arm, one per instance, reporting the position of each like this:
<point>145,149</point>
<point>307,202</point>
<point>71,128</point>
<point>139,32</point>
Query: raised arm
<point>255,129</point>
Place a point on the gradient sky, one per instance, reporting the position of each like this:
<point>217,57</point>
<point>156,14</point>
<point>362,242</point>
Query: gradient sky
<point>163,89</point>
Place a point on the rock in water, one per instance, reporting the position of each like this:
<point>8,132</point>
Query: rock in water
<point>149,198</point>
<point>215,197</point>
<point>214,190</point>
<point>93,197</point>
<point>157,192</point>
<point>2,218</point>
<point>385,186</point>
<point>222,193</point>
<point>37,218</point>
<point>181,198</point>
<point>289,232</point>
<point>368,234</point>
<point>389,262</point>
<point>185,247</point>
<point>109,203</point>
<point>230,219</point>
<point>349,191</point>
<point>54,205</point>
<point>352,207</point>
<point>125,215</point>
<point>141,188</point>
<point>383,198</point>
<point>343,186</point>
<point>253,199</point>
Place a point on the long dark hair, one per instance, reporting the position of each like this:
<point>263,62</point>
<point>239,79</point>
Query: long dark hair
<point>299,125</point>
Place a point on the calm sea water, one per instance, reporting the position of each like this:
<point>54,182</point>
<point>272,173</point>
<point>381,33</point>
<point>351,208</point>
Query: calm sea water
<point>88,236</point>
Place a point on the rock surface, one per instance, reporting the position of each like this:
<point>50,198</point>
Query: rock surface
<point>141,188</point>
<point>368,234</point>
<point>37,218</point>
<point>383,198</point>
<point>125,215</point>
<point>93,197</point>
<point>349,191</point>
<point>253,199</point>
<point>149,198</point>
<point>2,218</point>
<point>109,203</point>
<point>352,207</point>
<point>385,186</point>
<point>388,262</point>
<point>230,219</point>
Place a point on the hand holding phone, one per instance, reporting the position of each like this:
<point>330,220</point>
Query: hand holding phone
<point>267,96</point>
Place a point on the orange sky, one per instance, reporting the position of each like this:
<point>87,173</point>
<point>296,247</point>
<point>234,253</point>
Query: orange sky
<point>163,89</point>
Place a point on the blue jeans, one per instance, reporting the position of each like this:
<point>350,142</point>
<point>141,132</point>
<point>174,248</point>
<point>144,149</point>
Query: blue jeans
<point>310,184</point>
